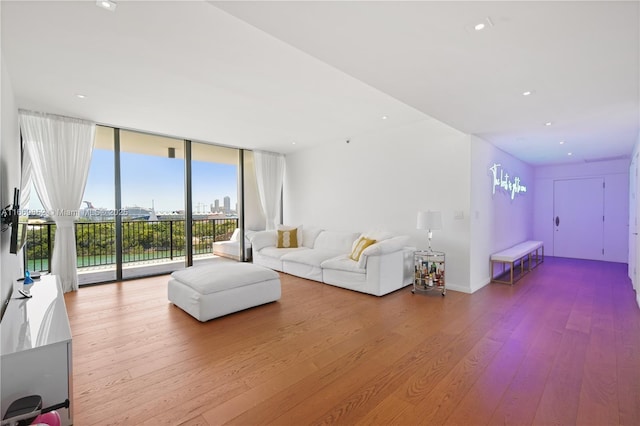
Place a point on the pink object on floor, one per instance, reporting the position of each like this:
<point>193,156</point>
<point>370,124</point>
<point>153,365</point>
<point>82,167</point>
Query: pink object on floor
<point>52,418</point>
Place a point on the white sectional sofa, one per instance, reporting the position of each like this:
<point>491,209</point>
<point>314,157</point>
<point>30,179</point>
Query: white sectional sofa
<point>323,256</point>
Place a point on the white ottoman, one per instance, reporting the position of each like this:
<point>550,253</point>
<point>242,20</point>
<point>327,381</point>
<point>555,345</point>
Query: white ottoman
<point>210,291</point>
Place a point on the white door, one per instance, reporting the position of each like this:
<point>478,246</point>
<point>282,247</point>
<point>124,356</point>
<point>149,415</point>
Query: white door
<point>578,221</point>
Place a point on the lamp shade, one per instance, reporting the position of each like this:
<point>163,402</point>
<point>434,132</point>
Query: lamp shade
<point>431,220</point>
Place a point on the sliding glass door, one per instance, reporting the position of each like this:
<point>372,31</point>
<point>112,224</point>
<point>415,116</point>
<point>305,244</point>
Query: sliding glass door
<point>152,204</point>
<point>214,188</point>
<point>95,228</point>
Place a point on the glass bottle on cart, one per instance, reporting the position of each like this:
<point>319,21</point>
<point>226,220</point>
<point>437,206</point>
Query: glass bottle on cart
<point>429,272</point>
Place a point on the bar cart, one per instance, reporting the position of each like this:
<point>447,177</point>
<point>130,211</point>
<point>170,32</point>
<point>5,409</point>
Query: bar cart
<point>429,272</point>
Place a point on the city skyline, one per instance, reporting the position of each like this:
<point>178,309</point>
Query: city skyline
<point>148,181</point>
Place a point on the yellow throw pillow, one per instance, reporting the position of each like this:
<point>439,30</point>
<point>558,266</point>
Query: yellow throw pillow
<point>288,238</point>
<point>362,244</point>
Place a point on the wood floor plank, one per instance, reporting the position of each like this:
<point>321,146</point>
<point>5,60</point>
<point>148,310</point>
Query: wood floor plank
<point>283,406</point>
<point>384,412</point>
<point>520,401</point>
<point>559,402</point>
<point>195,421</point>
<point>627,337</point>
<point>598,396</point>
<point>232,408</point>
<point>550,305</point>
<point>383,384</point>
<point>135,408</point>
<point>479,404</point>
<point>561,346</point>
<point>86,389</point>
<point>438,403</point>
<point>312,344</point>
<point>361,402</point>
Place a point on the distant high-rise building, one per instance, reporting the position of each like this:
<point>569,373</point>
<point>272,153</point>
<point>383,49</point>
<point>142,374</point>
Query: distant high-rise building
<point>227,204</point>
<point>217,206</point>
<point>211,210</point>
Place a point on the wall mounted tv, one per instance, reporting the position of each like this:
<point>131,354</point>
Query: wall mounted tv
<point>15,222</point>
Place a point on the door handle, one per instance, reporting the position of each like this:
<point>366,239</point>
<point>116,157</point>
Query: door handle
<point>557,220</point>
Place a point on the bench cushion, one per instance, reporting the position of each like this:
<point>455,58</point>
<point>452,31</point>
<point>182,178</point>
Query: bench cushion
<point>207,279</point>
<point>516,252</point>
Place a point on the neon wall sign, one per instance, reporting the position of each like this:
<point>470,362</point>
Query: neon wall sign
<point>502,180</point>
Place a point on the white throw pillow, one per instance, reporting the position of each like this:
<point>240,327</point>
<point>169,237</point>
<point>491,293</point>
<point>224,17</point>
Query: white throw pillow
<point>336,240</point>
<point>309,236</point>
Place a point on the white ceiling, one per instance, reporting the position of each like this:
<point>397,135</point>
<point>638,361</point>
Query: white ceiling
<point>263,75</point>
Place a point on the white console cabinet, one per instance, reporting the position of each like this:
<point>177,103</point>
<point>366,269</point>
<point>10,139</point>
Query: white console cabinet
<point>36,347</point>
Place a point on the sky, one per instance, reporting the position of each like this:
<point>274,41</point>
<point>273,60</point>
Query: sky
<point>158,180</point>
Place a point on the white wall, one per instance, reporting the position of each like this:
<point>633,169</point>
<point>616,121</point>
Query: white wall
<point>633,242</point>
<point>497,221</point>
<point>381,181</point>
<point>616,227</point>
<point>10,264</point>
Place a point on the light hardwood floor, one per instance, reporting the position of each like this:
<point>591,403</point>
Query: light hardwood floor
<point>562,346</point>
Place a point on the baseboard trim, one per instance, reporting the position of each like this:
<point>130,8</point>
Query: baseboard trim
<point>485,282</point>
<point>469,290</point>
<point>455,287</point>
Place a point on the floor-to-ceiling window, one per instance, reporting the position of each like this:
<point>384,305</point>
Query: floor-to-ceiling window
<point>95,228</point>
<point>155,204</point>
<point>152,198</point>
<point>214,189</point>
<point>95,224</point>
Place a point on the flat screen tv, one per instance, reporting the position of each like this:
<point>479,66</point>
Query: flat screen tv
<point>21,234</point>
<point>16,222</point>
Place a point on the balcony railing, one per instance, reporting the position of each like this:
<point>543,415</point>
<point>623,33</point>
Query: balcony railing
<point>141,241</point>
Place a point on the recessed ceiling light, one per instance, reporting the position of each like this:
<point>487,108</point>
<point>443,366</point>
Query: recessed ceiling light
<point>479,25</point>
<point>384,117</point>
<point>80,96</point>
<point>548,123</point>
<point>561,142</point>
<point>527,93</point>
<point>293,143</point>
<point>106,4</point>
<point>570,154</point>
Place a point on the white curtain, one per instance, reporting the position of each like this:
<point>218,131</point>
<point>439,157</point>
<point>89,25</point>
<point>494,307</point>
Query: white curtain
<point>25,180</point>
<point>60,149</point>
<point>269,173</point>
